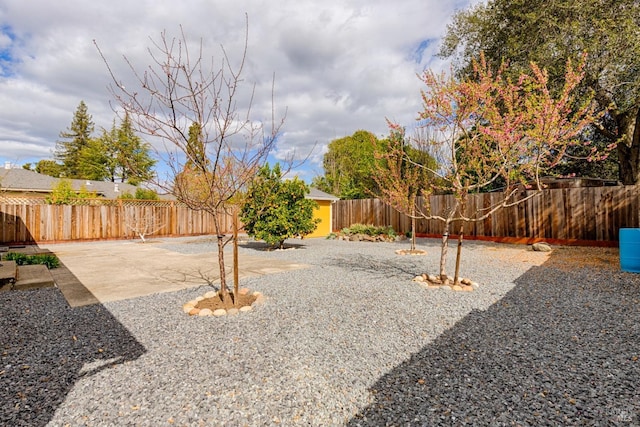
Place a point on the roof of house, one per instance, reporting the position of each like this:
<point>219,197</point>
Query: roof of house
<point>26,181</point>
<point>316,194</point>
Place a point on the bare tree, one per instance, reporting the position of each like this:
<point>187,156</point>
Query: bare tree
<point>141,221</point>
<point>202,111</point>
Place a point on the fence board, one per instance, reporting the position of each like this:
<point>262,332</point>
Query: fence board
<point>588,213</point>
<point>31,220</point>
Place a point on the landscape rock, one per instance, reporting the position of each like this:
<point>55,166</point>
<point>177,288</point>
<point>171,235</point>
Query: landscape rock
<point>194,312</point>
<point>233,311</point>
<point>418,279</point>
<point>205,312</point>
<point>220,312</point>
<point>210,294</point>
<point>246,308</point>
<point>187,307</point>
<point>467,288</point>
<point>243,291</point>
<point>456,288</point>
<point>541,247</point>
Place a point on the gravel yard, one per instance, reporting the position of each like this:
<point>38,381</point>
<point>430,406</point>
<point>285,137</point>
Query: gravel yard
<point>547,339</point>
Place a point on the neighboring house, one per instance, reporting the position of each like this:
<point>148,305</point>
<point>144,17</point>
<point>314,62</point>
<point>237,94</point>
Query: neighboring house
<point>22,182</point>
<point>324,211</point>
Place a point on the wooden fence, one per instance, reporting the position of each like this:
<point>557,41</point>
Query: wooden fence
<point>31,220</point>
<point>573,214</point>
<point>570,214</point>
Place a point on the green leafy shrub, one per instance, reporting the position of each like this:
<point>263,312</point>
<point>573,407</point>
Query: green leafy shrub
<point>146,194</point>
<point>50,260</point>
<point>369,230</point>
<point>141,194</point>
<point>276,209</point>
<point>63,193</point>
<point>20,259</point>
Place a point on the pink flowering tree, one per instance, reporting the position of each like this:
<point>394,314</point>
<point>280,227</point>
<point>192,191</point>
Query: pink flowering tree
<point>485,132</point>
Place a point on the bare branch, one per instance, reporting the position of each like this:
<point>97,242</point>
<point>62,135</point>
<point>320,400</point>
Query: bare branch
<point>200,113</point>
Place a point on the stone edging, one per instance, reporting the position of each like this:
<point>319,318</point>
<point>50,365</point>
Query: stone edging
<point>190,307</point>
<point>429,281</point>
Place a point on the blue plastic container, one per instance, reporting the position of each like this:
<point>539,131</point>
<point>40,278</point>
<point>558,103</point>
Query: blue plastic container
<point>630,249</point>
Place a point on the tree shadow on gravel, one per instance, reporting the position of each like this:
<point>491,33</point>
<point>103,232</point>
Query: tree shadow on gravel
<point>46,347</point>
<point>561,348</point>
<point>262,246</point>
<point>375,266</point>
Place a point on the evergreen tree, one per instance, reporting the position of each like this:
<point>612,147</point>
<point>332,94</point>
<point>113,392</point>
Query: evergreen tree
<point>276,210</point>
<point>133,158</point>
<point>195,150</point>
<point>49,167</point>
<point>75,139</point>
<point>116,155</point>
<point>97,159</point>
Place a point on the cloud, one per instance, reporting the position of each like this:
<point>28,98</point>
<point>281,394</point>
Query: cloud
<point>333,67</point>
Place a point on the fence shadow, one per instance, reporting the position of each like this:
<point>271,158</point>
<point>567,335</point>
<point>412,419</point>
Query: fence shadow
<point>14,231</point>
<point>561,348</point>
<point>46,347</point>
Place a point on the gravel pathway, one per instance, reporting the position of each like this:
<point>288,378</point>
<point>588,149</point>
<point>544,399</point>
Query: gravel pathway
<point>351,340</point>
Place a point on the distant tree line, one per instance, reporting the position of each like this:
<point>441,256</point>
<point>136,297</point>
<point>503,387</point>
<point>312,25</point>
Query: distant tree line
<point>116,155</point>
<point>518,33</point>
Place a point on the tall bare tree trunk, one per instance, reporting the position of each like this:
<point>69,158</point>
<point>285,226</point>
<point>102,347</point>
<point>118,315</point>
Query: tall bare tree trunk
<point>223,272</point>
<point>413,226</point>
<point>443,252</point>
<point>629,147</point>
<point>236,278</point>
<point>413,234</point>
<point>456,274</point>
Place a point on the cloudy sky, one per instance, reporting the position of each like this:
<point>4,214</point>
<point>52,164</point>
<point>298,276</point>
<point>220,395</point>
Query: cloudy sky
<point>339,66</point>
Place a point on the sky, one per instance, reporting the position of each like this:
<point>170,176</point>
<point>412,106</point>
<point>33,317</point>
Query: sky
<point>335,66</point>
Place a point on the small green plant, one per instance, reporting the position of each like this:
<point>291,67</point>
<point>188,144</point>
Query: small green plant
<point>63,193</point>
<point>20,259</point>
<point>141,194</point>
<point>50,260</point>
<point>369,230</point>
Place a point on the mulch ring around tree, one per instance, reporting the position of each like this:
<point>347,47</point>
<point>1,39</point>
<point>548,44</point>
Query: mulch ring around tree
<point>430,281</point>
<point>411,252</point>
<point>212,304</point>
